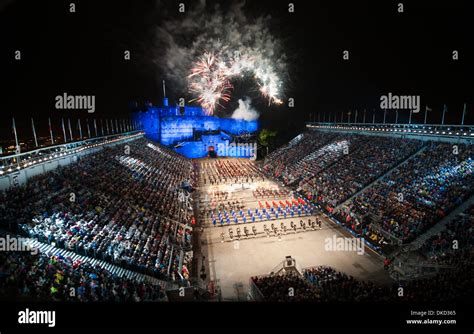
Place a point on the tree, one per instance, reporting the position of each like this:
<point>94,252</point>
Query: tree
<point>266,138</point>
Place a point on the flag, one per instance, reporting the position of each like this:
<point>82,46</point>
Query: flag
<point>426,112</point>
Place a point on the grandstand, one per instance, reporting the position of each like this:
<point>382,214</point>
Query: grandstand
<point>123,218</point>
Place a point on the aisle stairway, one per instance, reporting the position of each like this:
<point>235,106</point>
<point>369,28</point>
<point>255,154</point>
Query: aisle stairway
<point>439,226</point>
<point>114,269</point>
<point>387,172</point>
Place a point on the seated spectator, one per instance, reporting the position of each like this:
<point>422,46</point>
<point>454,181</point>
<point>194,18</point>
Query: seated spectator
<point>128,209</point>
<point>417,194</point>
<point>284,288</point>
<point>40,277</point>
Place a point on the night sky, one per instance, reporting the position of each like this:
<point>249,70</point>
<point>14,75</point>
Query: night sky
<point>406,53</point>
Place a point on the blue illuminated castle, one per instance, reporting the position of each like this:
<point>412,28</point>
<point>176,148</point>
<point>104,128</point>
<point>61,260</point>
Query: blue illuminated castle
<point>192,133</point>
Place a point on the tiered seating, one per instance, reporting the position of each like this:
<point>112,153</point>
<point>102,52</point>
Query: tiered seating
<point>368,159</point>
<point>277,162</point>
<point>337,286</point>
<point>55,278</point>
<point>456,239</point>
<point>416,195</point>
<point>284,288</point>
<point>448,285</point>
<point>333,167</point>
<point>320,159</point>
<point>325,284</point>
<point>230,171</point>
<point>121,204</point>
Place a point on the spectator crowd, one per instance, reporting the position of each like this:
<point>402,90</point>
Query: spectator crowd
<point>124,204</point>
<point>55,278</point>
<point>415,195</point>
<point>387,189</point>
<point>326,284</point>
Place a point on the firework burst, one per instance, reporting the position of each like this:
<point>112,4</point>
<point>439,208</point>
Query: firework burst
<point>210,78</point>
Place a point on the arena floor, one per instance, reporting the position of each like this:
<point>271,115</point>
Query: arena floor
<point>231,263</point>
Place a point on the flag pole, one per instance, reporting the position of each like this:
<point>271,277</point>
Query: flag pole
<point>70,130</point>
<point>17,147</point>
<point>64,130</point>
<point>51,131</point>
<point>88,129</point>
<point>80,127</point>
<point>444,110</point>
<point>34,131</point>
<point>463,113</point>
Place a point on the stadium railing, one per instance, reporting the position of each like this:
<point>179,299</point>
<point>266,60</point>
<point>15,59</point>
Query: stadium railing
<point>13,167</point>
<point>434,132</point>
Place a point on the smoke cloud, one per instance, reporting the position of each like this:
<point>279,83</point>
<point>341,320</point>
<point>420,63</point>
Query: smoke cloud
<point>245,111</point>
<point>228,33</point>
